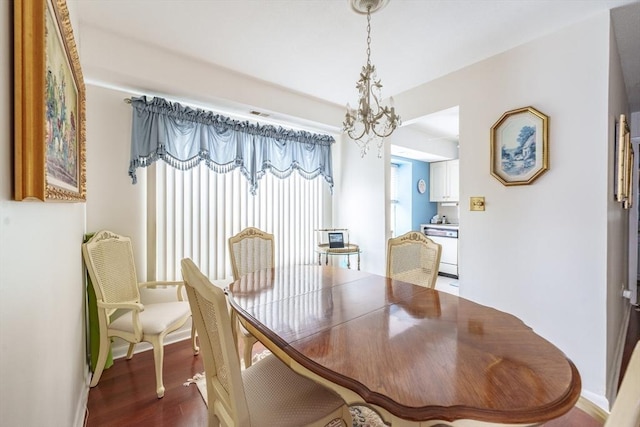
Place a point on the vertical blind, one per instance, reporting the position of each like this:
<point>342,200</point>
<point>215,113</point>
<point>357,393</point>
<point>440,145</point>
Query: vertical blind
<point>192,213</point>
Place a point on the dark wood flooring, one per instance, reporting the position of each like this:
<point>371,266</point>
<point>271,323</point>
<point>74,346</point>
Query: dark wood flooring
<point>633,336</point>
<point>126,393</point>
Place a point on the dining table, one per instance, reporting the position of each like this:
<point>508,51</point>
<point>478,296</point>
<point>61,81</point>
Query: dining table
<point>415,355</point>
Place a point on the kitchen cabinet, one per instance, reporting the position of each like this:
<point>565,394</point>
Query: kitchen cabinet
<point>444,181</point>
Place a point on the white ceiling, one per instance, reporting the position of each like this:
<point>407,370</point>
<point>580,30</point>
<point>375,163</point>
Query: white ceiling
<point>317,47</point>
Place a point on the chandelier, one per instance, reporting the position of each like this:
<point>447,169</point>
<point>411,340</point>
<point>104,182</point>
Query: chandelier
<point>372,121</point>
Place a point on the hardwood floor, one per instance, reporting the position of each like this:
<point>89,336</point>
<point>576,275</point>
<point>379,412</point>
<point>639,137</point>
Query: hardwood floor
<point>125,395</point>
<point>633,335</point>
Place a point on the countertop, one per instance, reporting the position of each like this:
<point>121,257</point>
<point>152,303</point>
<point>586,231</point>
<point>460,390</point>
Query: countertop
<point>440,225</point>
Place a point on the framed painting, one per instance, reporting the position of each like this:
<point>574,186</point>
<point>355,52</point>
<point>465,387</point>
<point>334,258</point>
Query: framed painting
<point>49,104</point>
<point>624,163</point>
<point>520,146</point>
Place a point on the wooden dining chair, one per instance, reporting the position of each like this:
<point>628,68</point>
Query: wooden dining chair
<point>625,411</point>
<point>250,250</point>
<point>413,258</point>
<point>109,260</point>
<point>268,393</point>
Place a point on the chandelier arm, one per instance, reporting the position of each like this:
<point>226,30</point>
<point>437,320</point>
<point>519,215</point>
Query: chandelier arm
<point>350,133</point>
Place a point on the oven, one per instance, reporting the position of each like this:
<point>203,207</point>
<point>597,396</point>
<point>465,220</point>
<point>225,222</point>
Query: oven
<point>446,235</point>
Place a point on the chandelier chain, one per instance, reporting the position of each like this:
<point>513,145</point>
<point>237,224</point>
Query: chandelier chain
<point>369,35</point>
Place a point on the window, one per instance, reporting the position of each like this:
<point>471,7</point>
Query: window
<point>193,213</point>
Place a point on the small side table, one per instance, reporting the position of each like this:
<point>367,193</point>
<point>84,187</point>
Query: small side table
<point>348,250</point>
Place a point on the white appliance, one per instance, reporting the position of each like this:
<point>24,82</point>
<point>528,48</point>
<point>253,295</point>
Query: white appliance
<point>447,236</point>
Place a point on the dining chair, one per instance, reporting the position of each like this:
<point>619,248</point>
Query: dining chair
<point>625,411</point>
<point>413,258</point>
<point>250,250</point>
<point>268,393</point>
<point>110,263</point>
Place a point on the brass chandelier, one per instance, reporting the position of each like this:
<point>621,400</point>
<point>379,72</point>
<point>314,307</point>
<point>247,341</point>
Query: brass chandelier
<point>372,121</point>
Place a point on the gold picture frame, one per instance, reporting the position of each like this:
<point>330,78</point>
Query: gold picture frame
<point>624,164</point>
<point>520,146</point>
<point>49,104</point>
<point>628,203</point>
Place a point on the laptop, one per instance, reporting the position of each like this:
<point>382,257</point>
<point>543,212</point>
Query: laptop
<point>336,240</point>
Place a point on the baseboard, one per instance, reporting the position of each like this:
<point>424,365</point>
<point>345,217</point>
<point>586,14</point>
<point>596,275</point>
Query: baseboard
<point>81,408</point>
<point>595,410</point>
<point>614,372</point>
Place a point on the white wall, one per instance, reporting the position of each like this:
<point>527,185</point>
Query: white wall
<point>360,202</point>
<point>409,137</point>
<point>622,233</point>
<point>542,251</point>
<point>113,202</point>
<point>42,334</point>
<point>634,274</point>
<point>123,63</point>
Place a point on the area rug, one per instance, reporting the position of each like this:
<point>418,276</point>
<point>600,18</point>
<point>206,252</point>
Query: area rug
<point>362,416</point>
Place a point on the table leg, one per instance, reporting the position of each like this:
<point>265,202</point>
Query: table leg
<point>348,262</point>
<point>358,261</point>
<point>326,259</point>
<point>319,258</point>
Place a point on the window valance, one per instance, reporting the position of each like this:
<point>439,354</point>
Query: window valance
<point>183,137</point>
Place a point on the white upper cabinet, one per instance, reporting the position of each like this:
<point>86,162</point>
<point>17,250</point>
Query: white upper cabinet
<point>444,182</point>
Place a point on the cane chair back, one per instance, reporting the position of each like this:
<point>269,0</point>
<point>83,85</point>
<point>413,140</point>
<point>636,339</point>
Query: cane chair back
<point>413,258</point>
<point>267,394</point>
<point>251,250</point>
<point>625,411</point>
<point>111,259</point>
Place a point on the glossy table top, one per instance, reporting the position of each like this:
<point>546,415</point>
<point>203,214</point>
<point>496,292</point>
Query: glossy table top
<point>418,353</point>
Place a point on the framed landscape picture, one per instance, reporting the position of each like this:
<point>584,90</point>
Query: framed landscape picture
<point>49,159</point>
<point>519,146</point>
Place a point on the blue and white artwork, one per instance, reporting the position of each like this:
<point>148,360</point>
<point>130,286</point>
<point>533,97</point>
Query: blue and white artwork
<point>518,157</point>
<point>519,146</point>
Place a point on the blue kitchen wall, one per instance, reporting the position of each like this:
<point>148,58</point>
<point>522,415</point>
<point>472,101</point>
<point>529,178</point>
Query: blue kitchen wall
<point>416,206</point>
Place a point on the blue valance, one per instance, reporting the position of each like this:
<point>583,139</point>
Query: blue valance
<point>183,137</point>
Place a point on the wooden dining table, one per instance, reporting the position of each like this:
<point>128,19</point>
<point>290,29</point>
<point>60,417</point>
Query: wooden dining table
<point>418,356</point>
